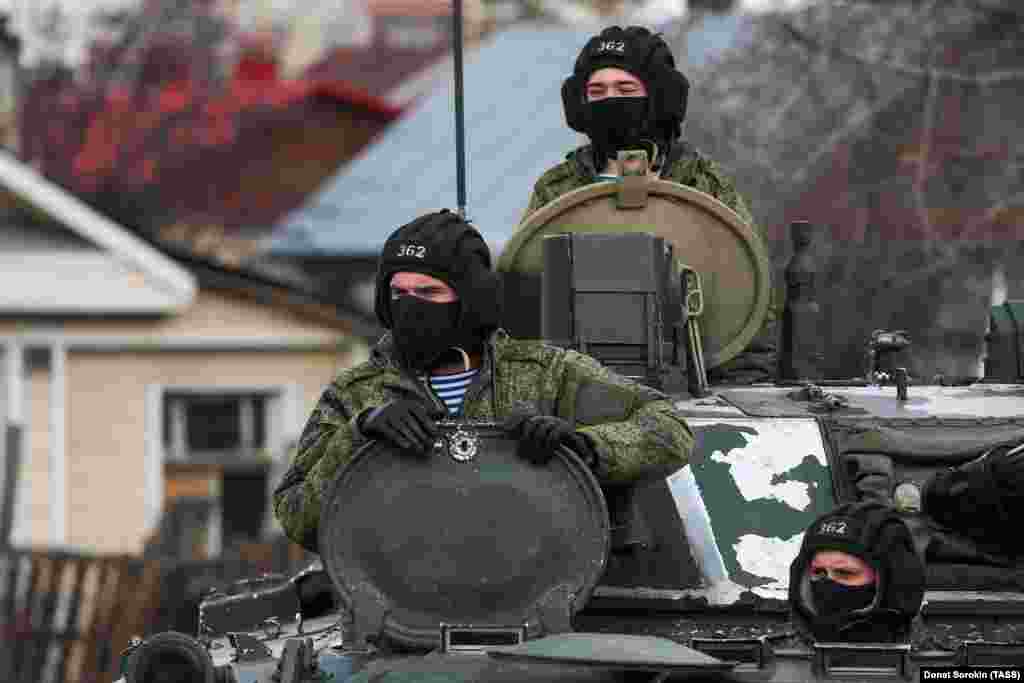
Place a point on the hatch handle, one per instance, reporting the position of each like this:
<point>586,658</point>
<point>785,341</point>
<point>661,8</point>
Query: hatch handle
<point>862,660</point>
<point>467,638</point>
<point>745,652</point>
<point>991,653</point>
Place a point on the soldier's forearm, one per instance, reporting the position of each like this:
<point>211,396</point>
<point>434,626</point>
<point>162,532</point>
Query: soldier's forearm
<point>299,521</point>
<point>653,443</point>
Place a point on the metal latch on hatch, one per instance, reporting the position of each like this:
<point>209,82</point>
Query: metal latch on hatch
<point>693,301</point>
<point>749,652</point>
<point>862,660</point>
<point>467,638</point>
<point>634,165</point>
<point>991,653</point>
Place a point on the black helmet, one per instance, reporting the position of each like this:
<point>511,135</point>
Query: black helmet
<point>444,246</point>
<point>645,55</point>
<point>876,534</point>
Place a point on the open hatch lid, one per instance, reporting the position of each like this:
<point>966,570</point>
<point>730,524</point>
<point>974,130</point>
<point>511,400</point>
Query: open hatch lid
<point>471,536</point>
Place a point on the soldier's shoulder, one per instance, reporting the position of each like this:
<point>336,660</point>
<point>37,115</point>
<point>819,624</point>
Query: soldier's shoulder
<point>359,373</point>
<point>557,175</point>
<point>561,173</point>
<point>689,160</point>
<point>531,350</point>
<point>547,355</point>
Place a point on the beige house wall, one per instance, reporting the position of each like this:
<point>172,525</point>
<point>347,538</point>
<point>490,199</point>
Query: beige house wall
<point>35,467</point>
<point>106,422</point>
<point>106,426</point>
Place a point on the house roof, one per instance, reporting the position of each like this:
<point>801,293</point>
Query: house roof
<point>130,255</point>
<point>413,8</point>
<point>101,261</point>
<point>515,130</point>
<point>172,150</point>
<point>379,71</point>
<point>264,286</point>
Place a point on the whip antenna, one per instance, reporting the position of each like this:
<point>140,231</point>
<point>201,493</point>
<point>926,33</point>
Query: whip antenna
<point>460,124</point>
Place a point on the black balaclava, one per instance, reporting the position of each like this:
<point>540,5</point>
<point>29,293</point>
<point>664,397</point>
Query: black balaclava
<point>444,246</point>
<point>881,612</point>
<point>832,597</point>
<point>617,123</point>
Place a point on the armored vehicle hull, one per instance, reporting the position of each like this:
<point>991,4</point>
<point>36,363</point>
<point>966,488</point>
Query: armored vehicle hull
<point>504,571</point>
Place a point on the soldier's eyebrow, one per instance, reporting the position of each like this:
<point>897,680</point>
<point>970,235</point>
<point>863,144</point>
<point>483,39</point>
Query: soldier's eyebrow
<point>619,84</point>
<point>421,289</point>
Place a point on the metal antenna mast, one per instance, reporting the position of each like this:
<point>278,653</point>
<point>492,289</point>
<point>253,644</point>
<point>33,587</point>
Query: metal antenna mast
<point>460,124</point>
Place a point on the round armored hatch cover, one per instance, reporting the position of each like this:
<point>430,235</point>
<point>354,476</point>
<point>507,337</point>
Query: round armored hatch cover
<point>472,534</point>
<point>706,235</point>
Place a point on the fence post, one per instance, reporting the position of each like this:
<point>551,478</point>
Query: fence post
<point>14,373</point>
<point>12,463</point>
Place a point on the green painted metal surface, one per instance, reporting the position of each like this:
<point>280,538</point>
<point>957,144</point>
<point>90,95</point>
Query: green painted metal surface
<point>763,482</point>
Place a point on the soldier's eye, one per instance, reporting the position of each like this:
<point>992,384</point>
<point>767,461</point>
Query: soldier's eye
<point>819,572</point>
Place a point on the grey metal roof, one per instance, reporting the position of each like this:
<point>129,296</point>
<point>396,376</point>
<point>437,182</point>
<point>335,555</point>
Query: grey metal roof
<point>515,130</point>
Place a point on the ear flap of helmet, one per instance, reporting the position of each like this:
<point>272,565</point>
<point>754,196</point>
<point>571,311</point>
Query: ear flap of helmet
<point>481,311</point>
<point>572,102</point>
<point>670,97</point>
<point>382,298</point>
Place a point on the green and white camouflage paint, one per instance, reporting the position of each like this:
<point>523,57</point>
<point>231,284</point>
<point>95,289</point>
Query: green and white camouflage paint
<point>763,481</point>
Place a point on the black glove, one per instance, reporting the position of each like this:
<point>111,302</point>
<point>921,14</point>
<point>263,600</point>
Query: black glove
<point>404,423</point>
<point>981,497</point>
<point>540,435</point>
<point>999,472</point>
<point>1008,469</point>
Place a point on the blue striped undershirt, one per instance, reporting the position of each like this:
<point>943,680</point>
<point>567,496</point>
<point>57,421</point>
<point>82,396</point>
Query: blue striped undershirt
<point>452,388</point>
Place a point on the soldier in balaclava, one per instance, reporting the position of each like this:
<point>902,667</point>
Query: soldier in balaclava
<point>857,577</point>
<point>626,93</point>
<point>445,356</point>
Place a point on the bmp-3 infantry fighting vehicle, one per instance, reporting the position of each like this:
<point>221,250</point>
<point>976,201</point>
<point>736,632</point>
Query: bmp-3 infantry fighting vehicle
<point>476,566</point>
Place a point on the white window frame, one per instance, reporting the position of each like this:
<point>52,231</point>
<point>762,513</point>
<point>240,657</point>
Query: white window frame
<point>283,421</point>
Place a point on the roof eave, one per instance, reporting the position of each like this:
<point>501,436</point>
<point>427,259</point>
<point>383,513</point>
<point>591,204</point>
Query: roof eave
<point>179,285</point>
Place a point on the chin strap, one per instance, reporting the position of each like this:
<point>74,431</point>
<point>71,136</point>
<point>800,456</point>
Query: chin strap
<point>465,358</point>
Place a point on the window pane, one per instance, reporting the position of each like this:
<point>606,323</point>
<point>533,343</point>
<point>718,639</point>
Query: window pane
<point>259,437</point>
<point>168,400</point>
<point>243,505</point>
<point>213,423</point>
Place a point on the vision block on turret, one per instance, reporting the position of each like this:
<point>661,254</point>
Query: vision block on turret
<point>609,295</point>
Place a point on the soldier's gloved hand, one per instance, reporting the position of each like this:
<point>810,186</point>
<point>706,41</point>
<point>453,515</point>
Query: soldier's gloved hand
<point>999,472</point>
<point>1008,469</point>
<point>405,423</point>
<point>540,435</point>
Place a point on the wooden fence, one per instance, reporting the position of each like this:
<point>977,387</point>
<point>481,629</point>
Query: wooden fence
<point>66,617</point>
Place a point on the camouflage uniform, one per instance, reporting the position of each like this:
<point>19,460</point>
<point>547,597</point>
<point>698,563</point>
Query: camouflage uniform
<point>636,429</point>
<point>687,166</point>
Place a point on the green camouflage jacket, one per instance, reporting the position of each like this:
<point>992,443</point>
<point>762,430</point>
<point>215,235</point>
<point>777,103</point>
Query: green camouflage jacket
<point>687,166</point>
<point>637,431</point>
